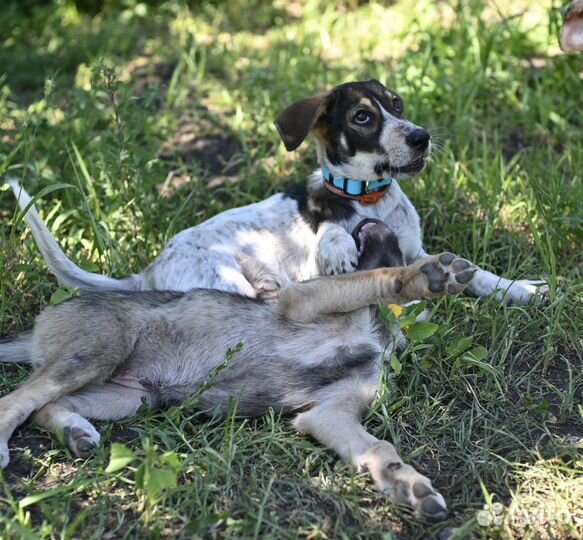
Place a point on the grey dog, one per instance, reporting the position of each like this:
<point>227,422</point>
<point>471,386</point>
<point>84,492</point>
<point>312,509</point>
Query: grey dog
<point>316,348</point>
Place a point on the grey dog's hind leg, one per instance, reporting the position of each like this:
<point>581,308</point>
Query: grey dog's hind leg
<point>336,423</point>
<point>16,350</point>
<point>56,378</point>
<point>107,402</point>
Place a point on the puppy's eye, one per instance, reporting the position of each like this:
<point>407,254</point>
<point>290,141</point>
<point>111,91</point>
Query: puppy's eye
<point>362,118</point>
<point>398,104</point>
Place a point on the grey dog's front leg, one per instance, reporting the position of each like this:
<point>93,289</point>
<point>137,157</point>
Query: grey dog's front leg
<point>427,277</point>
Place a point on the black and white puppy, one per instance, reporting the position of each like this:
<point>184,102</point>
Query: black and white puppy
<point>365,147</point>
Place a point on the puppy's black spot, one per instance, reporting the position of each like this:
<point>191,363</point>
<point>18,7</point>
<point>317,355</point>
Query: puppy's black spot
<point>394,466</point>
<point>464,276</point>
<point>452,289</point>
<point>379,169</point>
<point>421,490</point>
<point>446,258</point>
<point>67,433</point>
<point>398,286</point>
<point>320,205</point>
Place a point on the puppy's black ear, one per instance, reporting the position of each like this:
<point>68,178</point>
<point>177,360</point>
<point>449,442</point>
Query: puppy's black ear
<point>298,119</point>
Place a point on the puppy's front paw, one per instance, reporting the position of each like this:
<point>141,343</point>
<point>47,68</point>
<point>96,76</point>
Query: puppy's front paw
<point>444,273</point>
<point>524,291</point>
<point>337,253</point>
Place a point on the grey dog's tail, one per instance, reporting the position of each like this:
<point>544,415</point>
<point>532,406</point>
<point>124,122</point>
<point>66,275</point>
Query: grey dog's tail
<point>16,350</point>
<point>66,272</point>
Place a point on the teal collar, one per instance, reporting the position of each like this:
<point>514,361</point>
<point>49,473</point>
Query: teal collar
<point>365,191</point>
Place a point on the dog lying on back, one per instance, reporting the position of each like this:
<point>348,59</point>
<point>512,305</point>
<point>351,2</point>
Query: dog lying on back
<point>317,347</point>
<point>365,147</point>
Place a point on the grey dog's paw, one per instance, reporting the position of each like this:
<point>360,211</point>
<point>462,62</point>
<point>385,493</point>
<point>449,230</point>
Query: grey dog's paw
<point>4,455</point>
<point>446,273</point>
<point>402,483</point>
<point>81,437</point>
<point>428,502</point>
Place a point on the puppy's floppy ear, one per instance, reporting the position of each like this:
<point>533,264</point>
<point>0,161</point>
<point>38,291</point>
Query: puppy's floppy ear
<point>298,119</point>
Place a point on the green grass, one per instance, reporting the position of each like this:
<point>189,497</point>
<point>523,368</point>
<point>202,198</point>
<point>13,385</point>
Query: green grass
<point>130,107</point>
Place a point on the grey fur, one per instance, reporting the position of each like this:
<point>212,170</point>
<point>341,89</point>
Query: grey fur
<point>16,350</point>
<point>318,347</point>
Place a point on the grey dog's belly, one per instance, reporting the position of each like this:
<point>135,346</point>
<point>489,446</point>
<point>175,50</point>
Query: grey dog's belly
<point>249,355</point>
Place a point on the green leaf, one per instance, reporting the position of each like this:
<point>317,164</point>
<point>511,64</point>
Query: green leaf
<point>172,459</point>
<point>121,456</point>
<point>62,295</point>
<point>54,492</point>
<point>37,497</point>
<point>416,308</point>
<point>158,480</point>
<point>387,315</point>
<point>140,475</point>
<point>421,330</point>
<point>396,364</point>
<point>459,345</point>
<point>478,353</point>
<point>90,266</point>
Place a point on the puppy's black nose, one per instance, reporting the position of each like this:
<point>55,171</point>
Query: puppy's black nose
<point>418,139</point>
